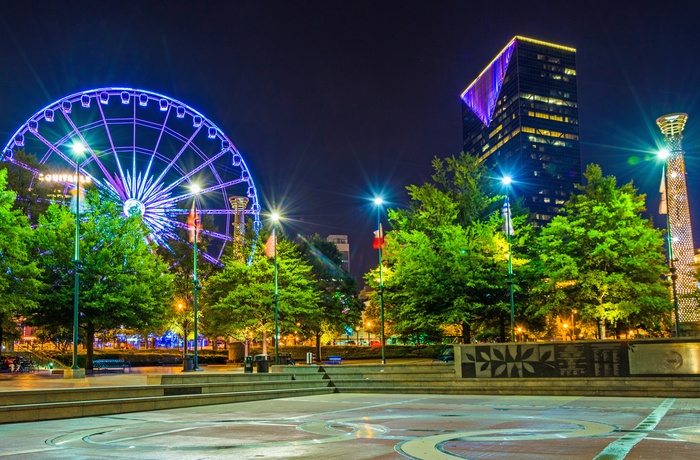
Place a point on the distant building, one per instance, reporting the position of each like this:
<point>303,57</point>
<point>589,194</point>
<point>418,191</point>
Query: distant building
<point>520,116</point>
<point>341,242</point>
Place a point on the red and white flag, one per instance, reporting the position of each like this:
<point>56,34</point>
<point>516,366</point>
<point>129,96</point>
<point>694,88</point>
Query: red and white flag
<point>194,224</point>
<point>271,244</point>
<point>378,238</point>
<point>663,205</point>
<point>507,218</point>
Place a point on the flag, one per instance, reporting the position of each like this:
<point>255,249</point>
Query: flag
<point>507,217</point>
<point>271,244</point>
<point>378,238</point>
<point>194,224</point>
<point>663,206</point>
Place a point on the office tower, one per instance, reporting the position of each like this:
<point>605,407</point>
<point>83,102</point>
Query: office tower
<point>680,234</point>
<point>520,116</point>
<point>341,242</point>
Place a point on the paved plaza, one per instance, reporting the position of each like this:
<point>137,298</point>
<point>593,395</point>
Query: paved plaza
<point>370,426</point>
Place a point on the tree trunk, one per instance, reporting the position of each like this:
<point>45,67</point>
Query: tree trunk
<point>2,319</point>
<point>466,332</point>
<point>264,342</point>
<point>318,347</point>
<point>601,329</point>
<point>89,344</point>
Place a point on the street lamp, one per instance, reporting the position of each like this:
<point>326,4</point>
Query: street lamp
<point>275,218</point>
<point>663,209</point>
<point>378,201</point>
<point>573,323</point>
<point>75,372</point>
<point>195,281</point>
<point>507,180</point>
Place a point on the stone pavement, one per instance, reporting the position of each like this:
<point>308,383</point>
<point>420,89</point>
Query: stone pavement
<point>368,426</point>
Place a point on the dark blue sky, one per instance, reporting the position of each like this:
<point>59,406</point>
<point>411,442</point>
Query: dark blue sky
<point>330,101</point>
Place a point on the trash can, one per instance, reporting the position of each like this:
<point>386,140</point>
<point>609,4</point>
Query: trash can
<point>188,363</point>
<point>248,365</point>
<point>309,358</point>
<point>263,364</point>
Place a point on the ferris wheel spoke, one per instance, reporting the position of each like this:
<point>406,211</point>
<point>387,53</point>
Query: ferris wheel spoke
<point>174,159</point>
<point>97,161</point>
<point>179,198</point>
<point>189,174</point>
<point>218,236</point>
<point>143,185</point>
<point>55,150</point>
<point>119,189</point>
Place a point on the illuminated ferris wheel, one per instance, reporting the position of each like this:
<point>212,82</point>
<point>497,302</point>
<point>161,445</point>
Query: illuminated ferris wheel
<point>152,153</point>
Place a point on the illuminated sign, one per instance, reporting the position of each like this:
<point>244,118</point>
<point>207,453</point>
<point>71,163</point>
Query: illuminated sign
<point>64,178</point>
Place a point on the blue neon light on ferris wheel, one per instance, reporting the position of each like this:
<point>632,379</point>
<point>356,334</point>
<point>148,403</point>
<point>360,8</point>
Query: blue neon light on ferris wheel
<point>146,149</point>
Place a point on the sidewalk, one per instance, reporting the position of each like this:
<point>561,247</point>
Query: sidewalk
<point>43,379</point>
<point>371,426</point>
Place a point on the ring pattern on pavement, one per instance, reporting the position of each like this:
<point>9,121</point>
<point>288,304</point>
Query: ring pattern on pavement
<point>430,427</point>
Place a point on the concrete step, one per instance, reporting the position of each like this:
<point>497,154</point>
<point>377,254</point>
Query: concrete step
<point>205,378</point>
<point>14,398</point>
<point>91,408</point>
<point>457,390</point>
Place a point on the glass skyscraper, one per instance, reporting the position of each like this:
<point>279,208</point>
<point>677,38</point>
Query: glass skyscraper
<point>520,116</point>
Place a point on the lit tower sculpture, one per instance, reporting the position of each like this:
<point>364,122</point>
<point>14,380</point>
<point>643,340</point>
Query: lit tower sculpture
<point>680,234</point>
<point>238,204</point>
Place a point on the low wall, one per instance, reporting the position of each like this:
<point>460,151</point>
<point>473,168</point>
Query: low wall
<point>604,358</point>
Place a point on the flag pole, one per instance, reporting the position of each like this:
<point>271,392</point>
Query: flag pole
<point>380,236</point>
<point>509,231</point>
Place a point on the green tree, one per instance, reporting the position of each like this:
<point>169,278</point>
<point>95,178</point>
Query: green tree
<point>339,308</point>
<point>240,297</point>
<point>33,196</point>
<point>602,258</point>
<point>446,257</point>
<point>124,284</point>
<point>20,278</point>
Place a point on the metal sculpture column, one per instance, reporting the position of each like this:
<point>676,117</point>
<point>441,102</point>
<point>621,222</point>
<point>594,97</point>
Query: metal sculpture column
<point>680,234</point>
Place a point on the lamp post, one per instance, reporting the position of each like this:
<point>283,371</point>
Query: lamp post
<point>275,218</point>
<point>75,371</point>
<point>664,154</point>
<point>195,281</point>
<point>378,202</point>
<point>573,323</point>
<point>509,233</point>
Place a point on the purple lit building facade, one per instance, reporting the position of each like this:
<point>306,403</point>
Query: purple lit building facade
<point>520,116</point>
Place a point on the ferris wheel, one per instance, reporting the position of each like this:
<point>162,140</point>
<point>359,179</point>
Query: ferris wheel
<point>153,154</point>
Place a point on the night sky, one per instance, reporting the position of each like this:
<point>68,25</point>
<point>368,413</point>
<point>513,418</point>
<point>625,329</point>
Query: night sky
<point>331,102</point>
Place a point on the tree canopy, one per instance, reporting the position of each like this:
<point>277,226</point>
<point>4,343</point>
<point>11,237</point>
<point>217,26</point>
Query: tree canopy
<point>603,258</point>
<point>20,278</point>
<point>124,284</point>
<point>239,298</point>
<point>446,257</point>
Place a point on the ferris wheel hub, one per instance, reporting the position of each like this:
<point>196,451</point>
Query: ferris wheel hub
<point>133,207</point>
